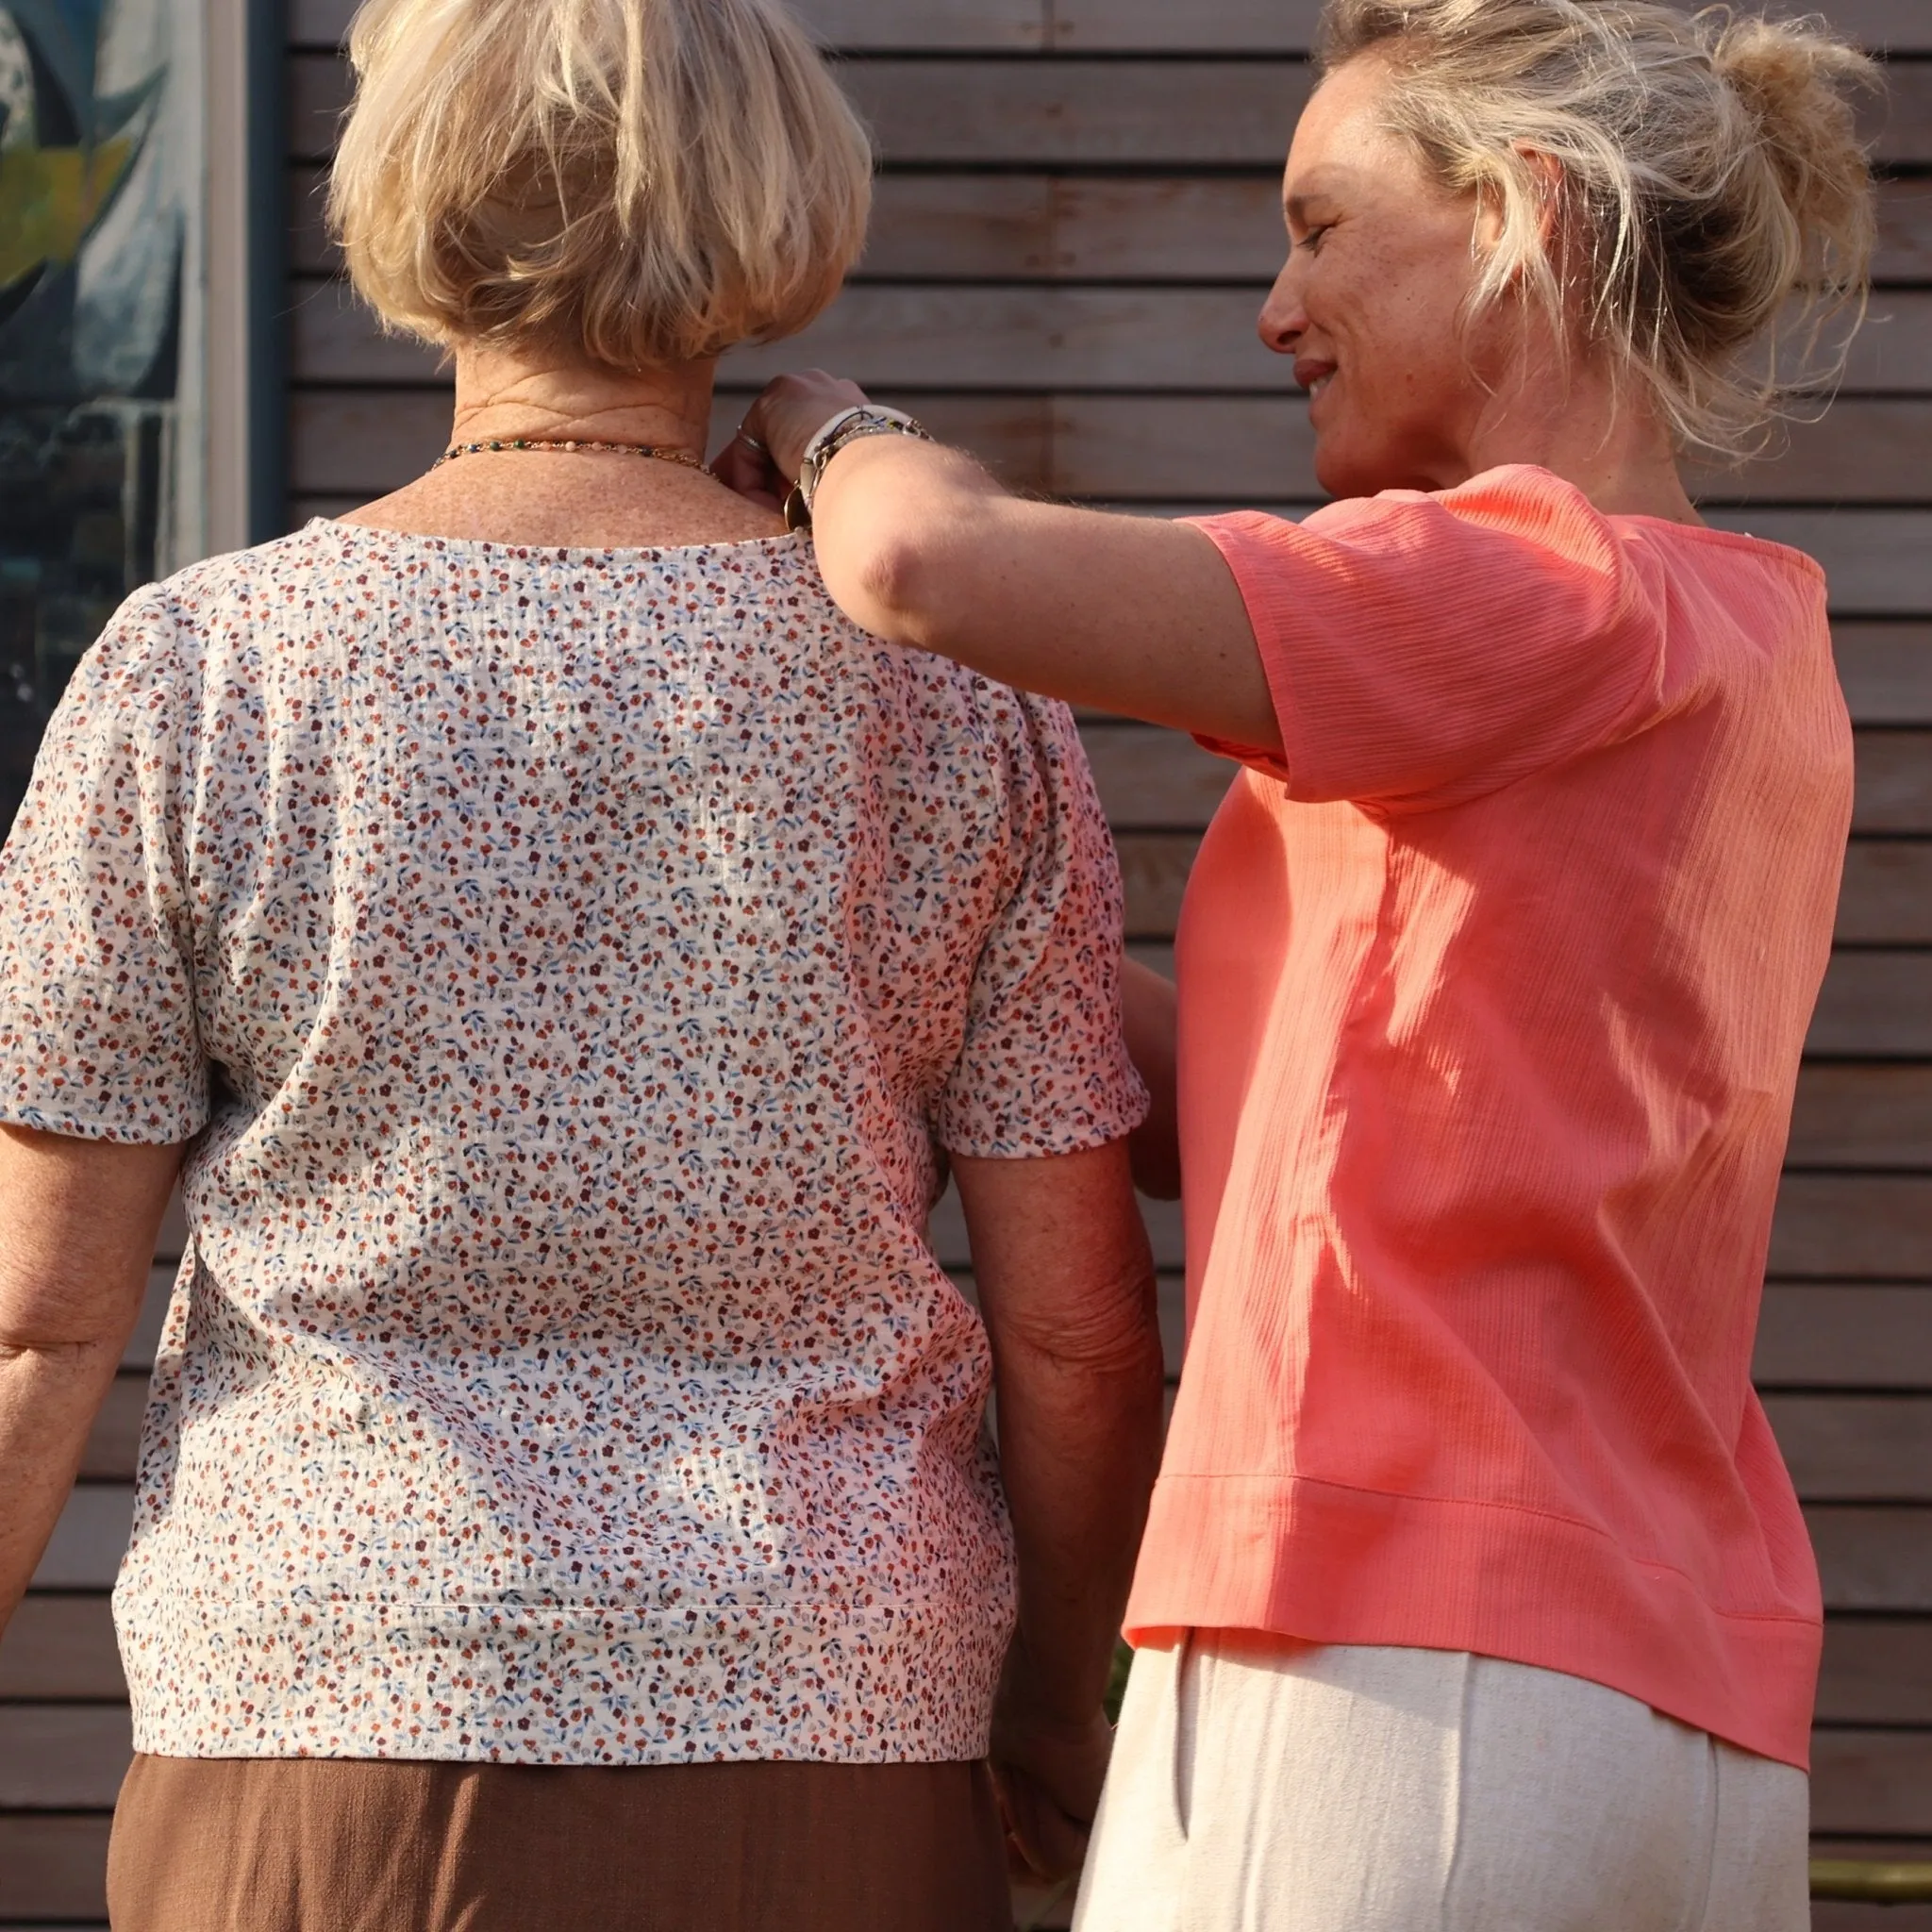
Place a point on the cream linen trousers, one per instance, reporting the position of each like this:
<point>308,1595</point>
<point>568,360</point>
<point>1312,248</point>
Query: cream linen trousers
<point>1260,1785</point>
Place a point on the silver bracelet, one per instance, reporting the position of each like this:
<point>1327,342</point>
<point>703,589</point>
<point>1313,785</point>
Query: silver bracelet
<point>849,426</point>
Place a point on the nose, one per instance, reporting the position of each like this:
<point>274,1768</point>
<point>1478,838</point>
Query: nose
<point>1283,321</point>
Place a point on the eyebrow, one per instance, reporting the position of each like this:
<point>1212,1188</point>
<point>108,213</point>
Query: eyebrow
<point>1296,206</point>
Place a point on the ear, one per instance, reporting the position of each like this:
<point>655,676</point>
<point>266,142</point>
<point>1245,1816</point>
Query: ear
<point>1548,172</point>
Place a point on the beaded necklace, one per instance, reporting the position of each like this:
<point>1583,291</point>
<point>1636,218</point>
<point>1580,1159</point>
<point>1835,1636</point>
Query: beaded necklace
<point>625,449</point>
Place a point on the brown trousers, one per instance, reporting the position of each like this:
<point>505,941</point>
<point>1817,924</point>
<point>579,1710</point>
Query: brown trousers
<point>329,1845</point>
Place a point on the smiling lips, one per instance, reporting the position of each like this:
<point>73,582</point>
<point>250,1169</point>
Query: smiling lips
<point>1314,377</point>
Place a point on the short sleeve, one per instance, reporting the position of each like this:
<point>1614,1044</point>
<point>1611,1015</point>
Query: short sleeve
<point>97,1023</point>
<point>1044,1066</point>
<point>1424,650</point>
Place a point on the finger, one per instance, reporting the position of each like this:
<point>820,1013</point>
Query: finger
<point>1051,1844</point>
<point>729,468</point>
<point>743,468</point>
<point>752,422</point>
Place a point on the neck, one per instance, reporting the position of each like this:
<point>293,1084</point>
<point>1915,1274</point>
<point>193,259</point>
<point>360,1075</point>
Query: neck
<point>1575,423</point>
<point>501,396</point>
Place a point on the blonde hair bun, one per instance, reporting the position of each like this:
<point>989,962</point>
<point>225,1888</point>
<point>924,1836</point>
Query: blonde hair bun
<point>1800,83</point>
<point>1719,204</point>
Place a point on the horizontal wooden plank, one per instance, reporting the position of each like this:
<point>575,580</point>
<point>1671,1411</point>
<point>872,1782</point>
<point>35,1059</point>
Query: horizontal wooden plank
<point>90,1538</point>
<point>114,1441</point>
<point>1151,778</point>
<point>1843,1227</point>
<point>61,1647</point>
<point>63,1757</point>
<point>1155,868</point>
<point>1855,1448</point>
<point>1861,451</point>
<point>1101,228</point>
<point>1887,896</point>
<point>980,25</point>
<point>1874,1005</point>
<point>1872,1781</point>
<point>1289,25</point>
<point>1016,336</point>
<point>1873,1559</point>
<point>1203,27</point>
<point>1146,114</point>
<point>1844,1334</point>
<point>1154,113</point>
<point>54,1867</point>
<point>1895,777</point>
<point>1877,1671</point>
<point>1863,1116</point>
<point>1263,448</point>
<point>1887,672</point>
<point>1905,230</point>
<point>1153,228</point>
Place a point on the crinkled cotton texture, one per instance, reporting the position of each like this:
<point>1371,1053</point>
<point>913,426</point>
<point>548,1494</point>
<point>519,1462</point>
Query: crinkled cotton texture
<point>566,963</point>
<point>1493,997</point>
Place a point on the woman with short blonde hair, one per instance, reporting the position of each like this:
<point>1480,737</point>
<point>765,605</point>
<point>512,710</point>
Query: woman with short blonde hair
<point>560,955</point>
<point>1476,1597</point>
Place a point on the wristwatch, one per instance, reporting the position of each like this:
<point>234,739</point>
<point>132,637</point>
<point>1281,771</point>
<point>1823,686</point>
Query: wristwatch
<point>849,426</point>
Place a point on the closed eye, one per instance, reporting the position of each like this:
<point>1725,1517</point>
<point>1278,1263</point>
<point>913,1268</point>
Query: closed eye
<point>1312,239</point>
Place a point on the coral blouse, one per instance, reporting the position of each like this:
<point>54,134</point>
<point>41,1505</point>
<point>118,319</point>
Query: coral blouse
<point>1492,995</point>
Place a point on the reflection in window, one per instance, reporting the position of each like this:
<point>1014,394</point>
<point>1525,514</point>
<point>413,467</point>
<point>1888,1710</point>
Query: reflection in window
<point>95,152</point>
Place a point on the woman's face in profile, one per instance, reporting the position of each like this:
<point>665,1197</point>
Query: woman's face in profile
<point>1372,304</point>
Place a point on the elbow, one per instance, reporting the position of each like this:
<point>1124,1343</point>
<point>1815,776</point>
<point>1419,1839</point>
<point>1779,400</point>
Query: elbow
<point>892,584</point>
<point>1112,1338</point>
<point>907,565</point>
<point>62,1321</point>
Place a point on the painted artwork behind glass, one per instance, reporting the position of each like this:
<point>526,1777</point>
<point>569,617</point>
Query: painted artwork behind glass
<point>92,235</point>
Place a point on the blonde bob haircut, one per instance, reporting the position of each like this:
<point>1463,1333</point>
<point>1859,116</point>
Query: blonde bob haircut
<point>646,182</point>
<point>1715,216</point>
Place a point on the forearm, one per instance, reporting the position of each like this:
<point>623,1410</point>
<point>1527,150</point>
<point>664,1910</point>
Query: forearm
<point>919,545</point>
<point>49,1397</point>
<point>1066,1284</point>
<point>1080,1448</point>
<point>78,1225</point>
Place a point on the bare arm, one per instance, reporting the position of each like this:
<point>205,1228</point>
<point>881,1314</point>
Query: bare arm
<point>1066,1284</point>
<point>78,1221</point>
<point>1148,1009</point>
<point>919,545</point>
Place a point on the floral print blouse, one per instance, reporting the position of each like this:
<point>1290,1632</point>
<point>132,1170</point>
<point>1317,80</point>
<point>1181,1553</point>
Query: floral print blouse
<point>564,964</point>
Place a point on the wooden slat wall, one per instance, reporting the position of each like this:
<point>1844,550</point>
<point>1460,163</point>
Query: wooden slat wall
<point>1075,222</point>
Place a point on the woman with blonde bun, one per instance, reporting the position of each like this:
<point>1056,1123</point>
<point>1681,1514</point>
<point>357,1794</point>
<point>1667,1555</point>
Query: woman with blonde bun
<point>1476,1596</point>
<point>559,954</point>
